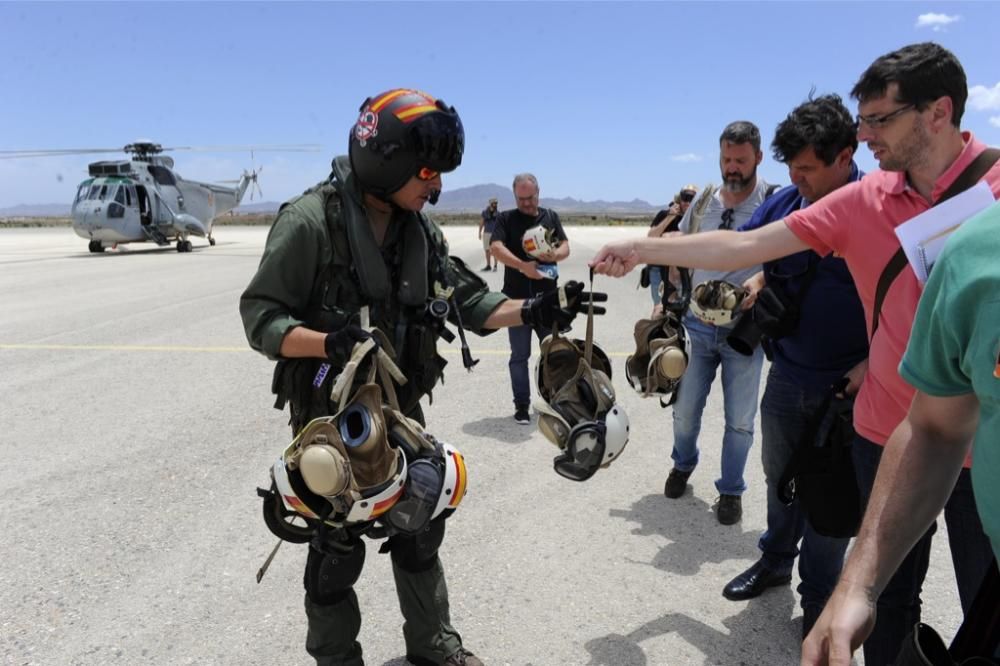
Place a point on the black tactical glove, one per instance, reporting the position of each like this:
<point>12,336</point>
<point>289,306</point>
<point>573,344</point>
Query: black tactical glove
<point>340,343</point>
<point>560,307</point>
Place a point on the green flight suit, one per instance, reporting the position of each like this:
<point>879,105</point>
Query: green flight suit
<point>307,276</point>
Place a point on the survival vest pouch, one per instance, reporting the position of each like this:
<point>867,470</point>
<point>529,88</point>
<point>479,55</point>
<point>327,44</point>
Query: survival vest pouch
<point>820,473</point>
<point>662,350</point>
<point>576,405</point>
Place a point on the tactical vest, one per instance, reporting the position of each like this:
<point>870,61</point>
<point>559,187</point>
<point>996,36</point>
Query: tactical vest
<point>338,295</point>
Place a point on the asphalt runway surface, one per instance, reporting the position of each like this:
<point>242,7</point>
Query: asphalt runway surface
<point>136,425</point>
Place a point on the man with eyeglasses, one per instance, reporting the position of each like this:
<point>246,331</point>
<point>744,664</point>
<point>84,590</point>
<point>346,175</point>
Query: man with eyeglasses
<point>722,207</point>
<point>816,141</point>
<point>910,104</point>
<point>522,277</point>
<point>358,242</point>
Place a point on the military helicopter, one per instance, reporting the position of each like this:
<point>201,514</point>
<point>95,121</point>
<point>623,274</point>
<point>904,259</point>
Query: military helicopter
<point>142,199</point>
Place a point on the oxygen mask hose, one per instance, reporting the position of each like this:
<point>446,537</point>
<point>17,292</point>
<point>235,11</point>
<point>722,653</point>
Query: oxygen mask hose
<point>467,359</point>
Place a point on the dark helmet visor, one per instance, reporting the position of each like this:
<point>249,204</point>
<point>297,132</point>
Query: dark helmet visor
<point>439,140</point>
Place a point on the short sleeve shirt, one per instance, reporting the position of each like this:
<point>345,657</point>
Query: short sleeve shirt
<point>857,222</point>
<point>489,220</point>
<point>955,346</point>
<point>509,230</point>
<point>712,220</point>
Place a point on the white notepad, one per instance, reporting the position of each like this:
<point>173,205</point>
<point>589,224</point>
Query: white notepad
<point>924,236</point>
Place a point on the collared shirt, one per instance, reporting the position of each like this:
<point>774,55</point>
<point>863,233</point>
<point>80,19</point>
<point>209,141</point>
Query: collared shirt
<point>712,220</point>
<point>857,222</point>
<point>831,337</point>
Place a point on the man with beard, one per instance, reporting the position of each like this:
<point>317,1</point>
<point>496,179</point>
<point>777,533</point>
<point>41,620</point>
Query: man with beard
<point>910,105</point>
<point>725,207</point>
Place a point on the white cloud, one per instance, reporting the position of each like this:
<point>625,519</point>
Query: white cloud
<point>686,157</point>
<point>982,98</point>
<point>936,22</point>
<point>995,121</point>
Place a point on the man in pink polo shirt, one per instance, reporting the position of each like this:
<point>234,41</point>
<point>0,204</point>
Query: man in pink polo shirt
<point>910,105</point>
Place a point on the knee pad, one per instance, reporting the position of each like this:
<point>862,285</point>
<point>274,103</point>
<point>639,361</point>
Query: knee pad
<point>329,577</point>
<point>418,553</point>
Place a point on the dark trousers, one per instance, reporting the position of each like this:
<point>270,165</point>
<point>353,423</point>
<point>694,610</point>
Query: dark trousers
<point>971,554</point>
<point>786,412</point>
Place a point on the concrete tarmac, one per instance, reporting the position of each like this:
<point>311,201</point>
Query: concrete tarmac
<point>136,424</point>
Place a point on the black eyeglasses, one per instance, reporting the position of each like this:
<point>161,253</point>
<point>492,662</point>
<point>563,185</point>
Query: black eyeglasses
<point>877,122</point>
<point>727,218</point>
<point>687,197</point>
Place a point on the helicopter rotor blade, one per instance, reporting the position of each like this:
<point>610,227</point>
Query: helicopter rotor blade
<point>288,148</point>
<point>21,154</point>
<point>63,152</point>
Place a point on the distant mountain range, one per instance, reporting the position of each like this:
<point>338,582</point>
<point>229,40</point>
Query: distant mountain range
<point>463,200</point>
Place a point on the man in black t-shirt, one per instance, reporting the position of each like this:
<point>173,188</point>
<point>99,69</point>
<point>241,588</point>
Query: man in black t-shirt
<point>522,278</point>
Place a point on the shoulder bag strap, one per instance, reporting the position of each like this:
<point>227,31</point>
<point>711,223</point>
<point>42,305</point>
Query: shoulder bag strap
<point>969,177</point>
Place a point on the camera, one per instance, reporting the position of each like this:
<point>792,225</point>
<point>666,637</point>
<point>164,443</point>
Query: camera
<point>746,335</point>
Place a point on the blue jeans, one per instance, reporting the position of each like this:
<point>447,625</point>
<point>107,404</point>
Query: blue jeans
<point>971,554</point>
<point>740,388</point>
<point>785,415</point>
<point>520,352</point>
<point>655,278</point>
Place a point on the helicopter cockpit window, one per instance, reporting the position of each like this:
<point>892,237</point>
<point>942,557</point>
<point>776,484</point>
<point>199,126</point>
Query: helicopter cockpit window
<point>117,207</point>
<point>161,175</point>
<point>81,193</point>
<point>95,192</point>
<point>129,195</point>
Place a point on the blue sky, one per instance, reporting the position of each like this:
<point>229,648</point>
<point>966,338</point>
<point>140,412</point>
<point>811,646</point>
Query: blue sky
<point>600,100</point>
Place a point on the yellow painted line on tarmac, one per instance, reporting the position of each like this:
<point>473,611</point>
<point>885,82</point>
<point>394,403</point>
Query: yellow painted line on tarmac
<point>129,348</point>
<point>209,350</point>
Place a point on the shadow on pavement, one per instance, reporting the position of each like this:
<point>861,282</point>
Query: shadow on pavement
<point>762,633</point>
<point>501,428</point>
<point>694,534</point>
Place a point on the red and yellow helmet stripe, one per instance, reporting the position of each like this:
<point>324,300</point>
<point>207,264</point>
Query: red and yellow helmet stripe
<point>409,110</point>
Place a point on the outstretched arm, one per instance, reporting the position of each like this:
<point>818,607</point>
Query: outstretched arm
<point>713,250</point>
<point>921,462</point>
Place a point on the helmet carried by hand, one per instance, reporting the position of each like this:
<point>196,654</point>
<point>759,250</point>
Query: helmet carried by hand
<point>539,240</point>
<point>398,134</point>
<point>717,302</point>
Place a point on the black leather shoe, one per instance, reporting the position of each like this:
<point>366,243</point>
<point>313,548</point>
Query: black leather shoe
<point>677,483</point>
<point>729,509</point>
<point>752,582</point>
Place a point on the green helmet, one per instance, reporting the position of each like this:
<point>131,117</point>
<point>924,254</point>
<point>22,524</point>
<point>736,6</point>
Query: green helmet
<point>400,134</point>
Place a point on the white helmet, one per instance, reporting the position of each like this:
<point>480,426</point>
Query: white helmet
<point>577,408</point>
<point>538,240</point>
<point>717,302</point>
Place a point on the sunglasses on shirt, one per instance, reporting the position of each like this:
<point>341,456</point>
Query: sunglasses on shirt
<point>727,218</point>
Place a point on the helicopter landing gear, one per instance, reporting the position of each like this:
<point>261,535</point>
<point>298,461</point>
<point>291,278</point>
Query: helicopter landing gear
<point>96,246</point>
<point>211,241</point>
<point>184,246</point>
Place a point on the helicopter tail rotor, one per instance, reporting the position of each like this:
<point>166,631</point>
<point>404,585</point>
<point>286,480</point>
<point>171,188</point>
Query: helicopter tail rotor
<point>255,184</point>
